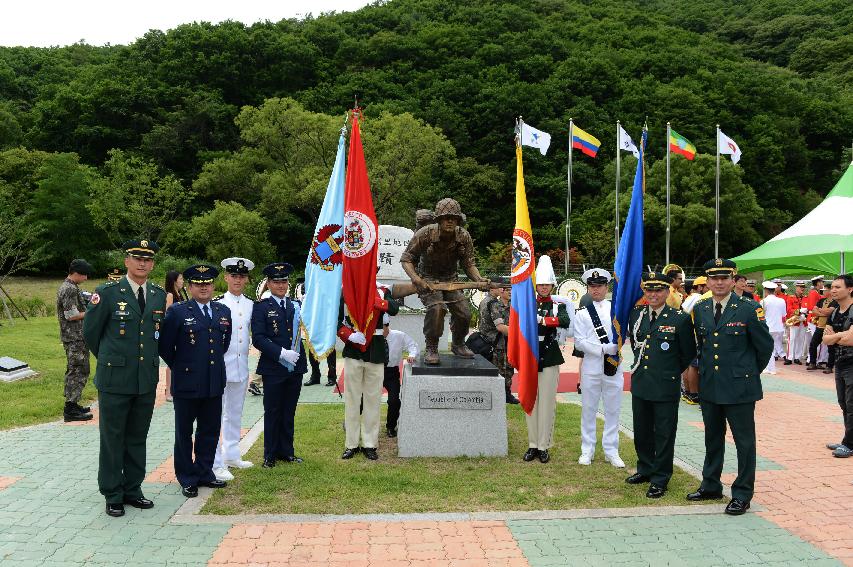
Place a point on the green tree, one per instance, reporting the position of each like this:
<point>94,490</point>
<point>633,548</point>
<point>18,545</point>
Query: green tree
<point>231,230</point>
<point>132,200</point>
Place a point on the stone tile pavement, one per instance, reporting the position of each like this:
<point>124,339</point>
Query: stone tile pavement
<point>51,513</point>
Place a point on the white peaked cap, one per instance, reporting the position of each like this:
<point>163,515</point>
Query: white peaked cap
<point>768,285</point>
<point>545,271</point>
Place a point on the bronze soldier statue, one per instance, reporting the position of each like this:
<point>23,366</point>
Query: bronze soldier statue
<point>433,256</point>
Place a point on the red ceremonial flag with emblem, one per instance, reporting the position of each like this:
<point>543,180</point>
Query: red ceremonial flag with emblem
<point>359,245</point>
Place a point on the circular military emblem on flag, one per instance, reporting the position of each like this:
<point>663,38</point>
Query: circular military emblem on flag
<point>522,255</point>
<point>359,234</point>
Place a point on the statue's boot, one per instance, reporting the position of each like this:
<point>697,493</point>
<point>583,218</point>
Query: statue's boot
<point>459,349</point>
<point>431,352</point>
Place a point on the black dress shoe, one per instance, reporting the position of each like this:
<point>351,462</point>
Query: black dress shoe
<point>189,491</point>
<point>331,383</point>
<point>392,432</point>
<point>268,463</point>
<point>797,361</point>
<point>655,491</point>
<point>291,459</point>
<point>311,381</point>
<point>349,453</point>
<point>370,453</point>
<point>637,478</point>
<point>737,507</point>
<point>215,483</point>
<point>811,367</point>
<point>544,456</point>
<point>531,454</point>
<point>142,503</point>
<point>115,510</point>
<point>828,371</point>
<point>703,494</point>
<point>787,362</point>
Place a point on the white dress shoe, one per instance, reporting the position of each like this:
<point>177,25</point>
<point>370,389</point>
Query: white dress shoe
<point>615,461</point>
<point>238,464</point>
<point>585,459</point>
<point>223,474</point>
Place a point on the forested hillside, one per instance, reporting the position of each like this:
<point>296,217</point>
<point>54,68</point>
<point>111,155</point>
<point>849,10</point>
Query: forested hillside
<point>219,139</point>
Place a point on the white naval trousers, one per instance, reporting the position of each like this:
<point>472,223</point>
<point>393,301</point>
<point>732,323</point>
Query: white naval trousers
<point>596,387</point>
<point>540,422</point>
<point>232,416</point>
<point>362,380</point>
<point>778,343</point>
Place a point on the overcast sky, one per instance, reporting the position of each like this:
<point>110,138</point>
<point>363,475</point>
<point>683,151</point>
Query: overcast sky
<point>45,23</point>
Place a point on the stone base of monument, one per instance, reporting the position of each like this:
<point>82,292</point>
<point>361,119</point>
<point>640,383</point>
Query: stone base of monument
<point>12,369</point>
<point>455,409</point>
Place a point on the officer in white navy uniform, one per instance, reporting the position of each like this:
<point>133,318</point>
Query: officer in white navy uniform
<point>596,340</point>
<point>236,366</point>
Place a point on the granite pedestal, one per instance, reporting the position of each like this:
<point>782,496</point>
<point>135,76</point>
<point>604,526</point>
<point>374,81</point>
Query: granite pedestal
<point>455,409</point>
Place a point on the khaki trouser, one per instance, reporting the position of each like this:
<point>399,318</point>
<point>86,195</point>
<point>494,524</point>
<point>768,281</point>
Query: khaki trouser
<point>540,422</point>
<point>362,380</point>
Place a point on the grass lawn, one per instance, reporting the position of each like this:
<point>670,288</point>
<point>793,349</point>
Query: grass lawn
<point>35,400</point>
<point>25,290</point>
<point>325,484</point>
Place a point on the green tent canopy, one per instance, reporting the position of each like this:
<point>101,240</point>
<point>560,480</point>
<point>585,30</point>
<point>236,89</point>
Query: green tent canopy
<point>815,244</point>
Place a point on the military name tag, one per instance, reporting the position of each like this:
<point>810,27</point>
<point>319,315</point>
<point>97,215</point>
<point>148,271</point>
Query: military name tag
<point>664,346</point>
<point>121,313</point>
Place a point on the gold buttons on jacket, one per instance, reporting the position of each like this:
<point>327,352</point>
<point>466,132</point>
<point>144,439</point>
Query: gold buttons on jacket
<point>141,358</point>
<point>716,368</point>
<point>716,334</point>
<point>716,356</point>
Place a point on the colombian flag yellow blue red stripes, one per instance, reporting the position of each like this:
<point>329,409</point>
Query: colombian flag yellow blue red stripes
<point>585,142</point>
<point>523,343</point>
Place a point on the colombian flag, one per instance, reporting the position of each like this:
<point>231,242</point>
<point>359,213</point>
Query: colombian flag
<point>523,343</point>
<point>585,142</point>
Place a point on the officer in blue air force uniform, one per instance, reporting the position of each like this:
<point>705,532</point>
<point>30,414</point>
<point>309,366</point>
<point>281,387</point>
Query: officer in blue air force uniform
<point>196,334</point>
<point>275,332</point>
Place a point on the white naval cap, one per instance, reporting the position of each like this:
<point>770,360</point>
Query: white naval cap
<point>768,285</point>
<point>817,278</point>
<point>237,265</point>
<point>596,276</point>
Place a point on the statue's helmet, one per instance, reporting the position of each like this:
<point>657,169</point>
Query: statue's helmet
<point>449,208</point>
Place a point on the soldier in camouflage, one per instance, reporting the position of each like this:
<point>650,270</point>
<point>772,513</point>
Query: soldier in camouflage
<point>494,326</point>
<point>70,310</point>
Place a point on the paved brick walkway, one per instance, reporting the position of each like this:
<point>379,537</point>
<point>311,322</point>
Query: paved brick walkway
<point>52,515</point>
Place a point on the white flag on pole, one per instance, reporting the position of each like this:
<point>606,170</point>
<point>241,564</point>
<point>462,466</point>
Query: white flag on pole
<point>626,143</point>
<point>728,146</point>
<point>532,137</point>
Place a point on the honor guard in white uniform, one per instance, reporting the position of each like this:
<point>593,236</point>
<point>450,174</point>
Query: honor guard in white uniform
<point>236,366</point>
<point>600,378</point>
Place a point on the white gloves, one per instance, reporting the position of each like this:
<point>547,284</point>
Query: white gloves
<point>358,338</point>
<point>610,349</point>
<point>291,356</point>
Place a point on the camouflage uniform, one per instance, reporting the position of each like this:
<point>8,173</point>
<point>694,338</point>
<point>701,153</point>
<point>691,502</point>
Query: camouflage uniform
<point>499,315</point>
<point>69,302</point>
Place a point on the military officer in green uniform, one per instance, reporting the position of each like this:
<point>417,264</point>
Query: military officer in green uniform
<point>664,345</point>
<point>734,346</point>
<point>121,328</point>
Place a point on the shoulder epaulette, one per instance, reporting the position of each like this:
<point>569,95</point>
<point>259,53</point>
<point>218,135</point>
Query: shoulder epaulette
<point>218,297</point>
<point>158,286</point>
<point>105,285</point>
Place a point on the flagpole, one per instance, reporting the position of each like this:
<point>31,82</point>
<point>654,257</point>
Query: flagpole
<point>569,197</point>
<point>618,169</point>
<point>668,130</point>
<point>717,201</point>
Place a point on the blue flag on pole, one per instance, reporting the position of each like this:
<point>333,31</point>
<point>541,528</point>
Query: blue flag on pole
<point>628,269</point>
<point>324,267</point>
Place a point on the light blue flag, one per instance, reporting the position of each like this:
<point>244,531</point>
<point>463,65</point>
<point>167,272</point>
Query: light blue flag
<point>628,270</point>
<point>324,268</point>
